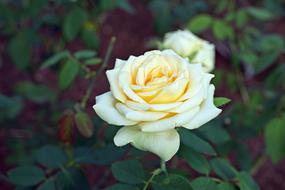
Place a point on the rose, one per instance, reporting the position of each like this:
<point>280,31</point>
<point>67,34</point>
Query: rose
<point>186,44</point>
<point>151,95</point>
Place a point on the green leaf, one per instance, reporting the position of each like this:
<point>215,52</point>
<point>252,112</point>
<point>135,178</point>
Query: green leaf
<point>223,168</point>
<point>259,13</point>
<point>47,185</point>
<point>214,132</point>
<point>93,61</point>
<point>200,23</point>
<point>90,38</point>
<point>73,22</point>
<point>193,141</point>
<point>203,183</point>
<point>55,59</point>
<point>226,186</point>
<point>10,107</point>
<point>84,54</point>
<point>68,73</point>
<point>71,179</point>
<point>197,161</point>
<point>172,182</point>
<point>33,92</point>
<point>220,101</point>
<point>274,138</point>
<point>120,186</point>
<point>99,156</point>
<point>128,171</point>
<point>246,182</point>
<point>126,6</point>
<point>84,124</point>
<point>20,49</point>
<point>271,42</point>
<point>222,30</point>
<point>26,175</point>
<point>51,156</point>
<point>241,18</point>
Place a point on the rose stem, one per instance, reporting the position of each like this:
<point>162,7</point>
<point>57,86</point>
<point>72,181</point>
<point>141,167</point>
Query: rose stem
<point>154,173</point>
<point>101,69</point>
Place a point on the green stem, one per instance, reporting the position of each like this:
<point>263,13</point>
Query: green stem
<point>258,164</point>
<point>101,69</point>
<point>154,173</point>
<point>163,167</point>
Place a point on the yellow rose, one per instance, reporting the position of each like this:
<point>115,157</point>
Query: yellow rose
<point>151,95</point>
<point>186,44</point>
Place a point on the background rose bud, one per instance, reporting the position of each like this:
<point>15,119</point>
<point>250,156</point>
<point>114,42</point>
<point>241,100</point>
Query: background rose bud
<point>153,94</point>
<point>186,44</point>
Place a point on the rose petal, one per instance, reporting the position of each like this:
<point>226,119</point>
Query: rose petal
<point>117,92</point>
<point>119,63</point>
<point>105,108</point>
<point>139,115</point>
<point>169,123</point>
<point>164,144</point>
<point>171,92</point>
<point>124,81</point>
<point>207,112</point>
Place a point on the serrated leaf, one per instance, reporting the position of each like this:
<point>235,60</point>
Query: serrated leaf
<point>68,73</point>
<point>223,168</point>
<point>51,156</point>
<point>226,186</point>
<point>99,156</point>
<point>71,179</point>
<point>84,124</point>
<point>20,49</point>
<point>73,22</point>
<point>93,61</point>
<point>47,185</point>
<point>274,138</point>
<point>65,127</point>
<point>203,183</point>
<point>222,30</point>
<point>260,13</point>
<point>197,161</point>
<point>55,59</point>
<point>246,182</point>
<point>90,38</point>
<point>172,182</point>
<point>220,101</point>
<point>26,175</point>
<point>200,23</point>
<point>84,54</point>
<point>193,141</point>
<point>34,92</point>
<point>128,171</point>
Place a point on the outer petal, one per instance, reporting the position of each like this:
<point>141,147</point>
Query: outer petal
<point>207,112</point>
<point>164,144</point>
<point>139,115</point>
<point>105,108</point>
<point>117,92</point>
<point>119,63</point>
<point>169,123</point>
<point>206,56</point>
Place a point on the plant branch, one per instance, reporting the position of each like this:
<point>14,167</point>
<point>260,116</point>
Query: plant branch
<point>154,173</point>
<point>101,69</point>
<point>259,162</point>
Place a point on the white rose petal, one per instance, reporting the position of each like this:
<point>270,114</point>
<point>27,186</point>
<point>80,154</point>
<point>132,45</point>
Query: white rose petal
<point>164,144</point>
<point>207,112</point>
<point>105,108</point>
